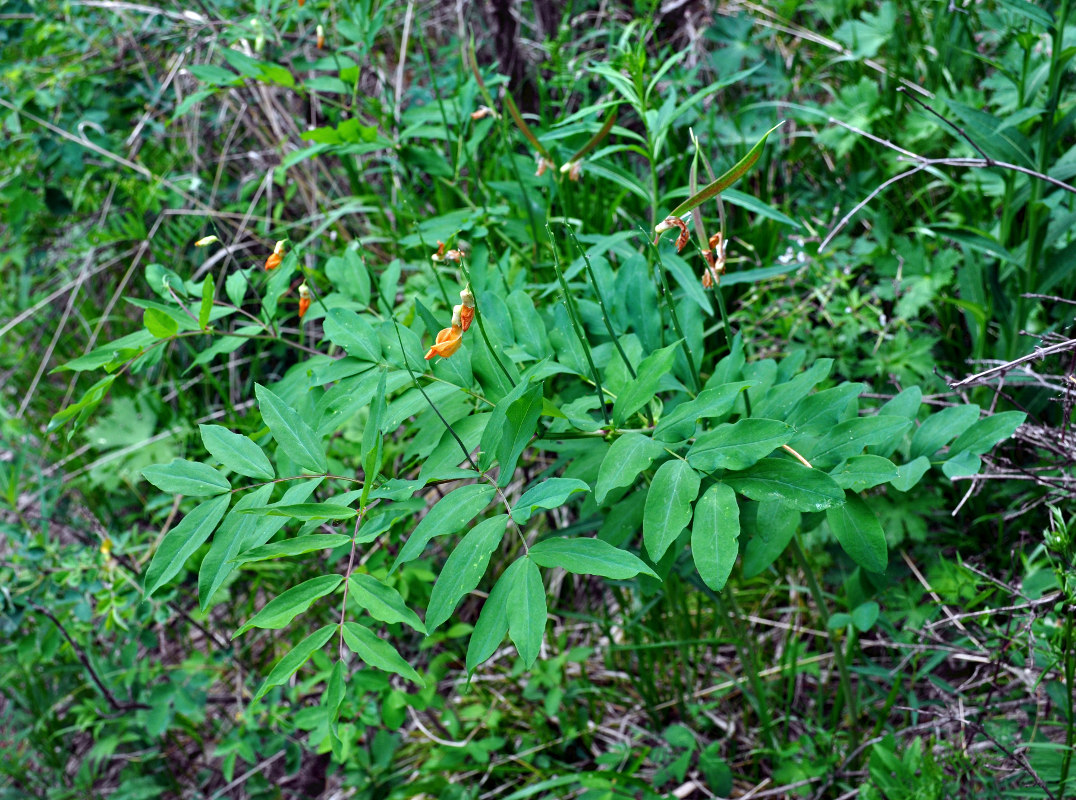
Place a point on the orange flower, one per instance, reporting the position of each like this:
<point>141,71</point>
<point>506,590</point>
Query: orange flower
<point>321,37</point>
<point>467,307</point>
<point>448,342</point>
<point>276,257</point>
<point>304,299</point>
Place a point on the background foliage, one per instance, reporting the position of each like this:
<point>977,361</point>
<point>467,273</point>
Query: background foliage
<point>804,534</point>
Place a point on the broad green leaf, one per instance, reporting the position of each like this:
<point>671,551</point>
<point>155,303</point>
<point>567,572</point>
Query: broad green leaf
<point>906,404</point>
<point>817,413</point>
<point>713,402</point>
<point>285,607</point>
<point>492,625</point>
<point>782,398</point>
<point>236,528</point>
<point>641,390</point>
<point>987,432</point>
<point>793,484</point>
<point>715,534</point>
<point>377,652</point>
<point>291,432</point>
<point>775,525</point>
<point>305,511</point>
<point>908,475</point>
<point>382,602</point>
<point>464,568</point>
<point>296,657</point>
<point>668,506</point>
<point>294,547</point>
<point>738,445</point>
<point>190,478</point>
<point>525,608</point>
<point>962,464</point>
<point>350,331</point>
<point>941,427</point>
<point>451,513</point>
<point>865,615</point>
<point>585,556</point>
<point>550,493</point>
<point>626,458</point>
<point>864,472</point>
<point>160,324</point>
<point>859,533</point>
<point>852,436</point>
<point>335,691</point>
<point>236,452</point>
<point>180,543</point>
<point>738,170</point>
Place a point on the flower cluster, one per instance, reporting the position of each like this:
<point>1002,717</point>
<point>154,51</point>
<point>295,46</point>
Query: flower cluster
<point>450,339</point>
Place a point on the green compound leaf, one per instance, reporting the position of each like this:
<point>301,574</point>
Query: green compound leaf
<point>180,543</point>
<point>715,533</point>
<point>738,445</point>
<point>589,557</point>
<point>378,653</point>
<point>190,478</point>
<point>626,458</point>
<point>451,513</point>
<point>299,655</point>
<point>511,427</point>
<point>382,602</point>
<point>668,506</point>
<point>525,608</point>
<point>464,568</point>
<point>236,452</point>
<point>236,528</point>
<point>550,493</point>
<point>793,484</point>
<point>291,432</point>
<point>859,533</point>
<point>282,609</point>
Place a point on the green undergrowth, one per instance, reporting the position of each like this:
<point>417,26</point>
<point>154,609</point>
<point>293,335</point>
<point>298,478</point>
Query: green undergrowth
<point>382,420</point>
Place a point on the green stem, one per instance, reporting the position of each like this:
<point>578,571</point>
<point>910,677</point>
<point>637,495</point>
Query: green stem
<point>838,653</point>
<point>569,302</point>
<point>692,368</point>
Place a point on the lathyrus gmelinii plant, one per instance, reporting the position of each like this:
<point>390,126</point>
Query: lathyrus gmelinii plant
<point>652,461</point>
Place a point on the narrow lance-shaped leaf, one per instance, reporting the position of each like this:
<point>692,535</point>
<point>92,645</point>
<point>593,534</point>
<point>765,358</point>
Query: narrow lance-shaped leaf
<point>517,118</point>
<point>180,543</point>
<point>549,493</point>
<point>526,609</point>
<point>585,556</point>
<point>294,436</point>
<point>217,564</point>
<point>492,624</point>
<point>377,652</point>
<point>464,568</point>
<point>191,478</point>
<point>282,609</point>
<point>382,602</point>
<point>236,452</point>
<point>725,181</point>
<point>296,657</point>
<point>449,515</point>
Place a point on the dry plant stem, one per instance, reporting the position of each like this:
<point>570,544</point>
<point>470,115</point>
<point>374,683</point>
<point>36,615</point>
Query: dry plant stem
<point>838,652</point>
<point>1039,354</point>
